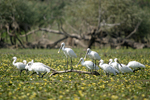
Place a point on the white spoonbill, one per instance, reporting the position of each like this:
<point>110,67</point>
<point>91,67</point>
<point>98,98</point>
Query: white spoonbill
<point>114,65</point>
<point>37,68</point>
<point>68,53</point>
<point>92,55</point>
<point>19,65</point>
<point>124,69</point>
<point>88,64</point>
<point>135,64</point>
<point>107,68</point>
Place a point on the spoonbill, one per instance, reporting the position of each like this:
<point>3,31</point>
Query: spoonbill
<point>92,55</point>
<point>19,65</point>
<point>124,69</point>
<point>135,64</point>
<point>114,65</point>
<point>68,53</point>
<point>37,68</point>
<point>107,68</point>
<point>88,64</point>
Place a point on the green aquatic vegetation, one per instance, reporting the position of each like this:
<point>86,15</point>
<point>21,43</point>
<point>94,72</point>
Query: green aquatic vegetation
<point>73,86</point>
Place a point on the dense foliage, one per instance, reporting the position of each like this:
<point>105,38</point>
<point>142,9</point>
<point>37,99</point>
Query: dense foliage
<point>80,16</point>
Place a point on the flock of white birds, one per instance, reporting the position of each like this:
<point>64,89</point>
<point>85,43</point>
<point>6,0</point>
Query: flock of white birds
<point>111,68</point>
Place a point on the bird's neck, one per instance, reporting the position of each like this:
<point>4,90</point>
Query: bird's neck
<point>63,48</point>
<point>82,62</point>
<point>101,64</point>
<point>110,63</point>
<point>14,61</point>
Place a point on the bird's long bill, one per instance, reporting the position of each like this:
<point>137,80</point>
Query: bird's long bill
<point>59,49</point>
<point>78,63</point>
<point>119,63</point>
<point>85,55</point>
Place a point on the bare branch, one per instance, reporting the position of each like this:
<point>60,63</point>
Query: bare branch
<point>7,27</point>
<point>75,71</point>
<point>135,30</point>
<point>29,33</point>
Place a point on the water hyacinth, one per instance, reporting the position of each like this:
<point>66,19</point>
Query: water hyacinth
<point>73,86</point>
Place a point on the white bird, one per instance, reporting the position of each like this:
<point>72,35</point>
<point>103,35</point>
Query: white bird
<point>88,64</point>
<point>68,53</point>
<point>19,65</point>
<point>114,65</point>
<point>37,68</point>
<point>124,69</point>
<point>92,55</point>
<point>107,68</point>
<point>24,62</point>
<point>135,64</point>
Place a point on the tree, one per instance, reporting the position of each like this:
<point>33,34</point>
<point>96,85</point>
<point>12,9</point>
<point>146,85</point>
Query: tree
<point>116,17</point>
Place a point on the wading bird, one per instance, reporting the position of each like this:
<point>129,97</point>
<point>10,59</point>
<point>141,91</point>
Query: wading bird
<point>88,64</point>
<point>107,68</point>
<point>19,65</point>
<point>114,65</point>
<point>135,65</point>
<point>92,55</point>
<point>68,53</point>
<point>37,68</point>
<point>124,69</point>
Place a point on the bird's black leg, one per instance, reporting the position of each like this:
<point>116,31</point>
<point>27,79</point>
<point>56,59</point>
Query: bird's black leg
<point>44,74</point>
<point>108,74</point>
<point>33,73</point>
<point>67,63</point>
<point>95,65</point>
<point>20,72</point>
<point>71,64</point>
<point>39,75</point>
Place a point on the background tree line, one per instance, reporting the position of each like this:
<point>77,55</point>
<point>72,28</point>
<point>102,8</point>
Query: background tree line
<point>116,18</point>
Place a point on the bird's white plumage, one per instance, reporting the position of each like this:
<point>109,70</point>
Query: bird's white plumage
<point>135,64</point>
<point>19,65</point>
<point>114,64</point>
<point>106,67</point>
<point>67,51</point>
<point>92,55</point>
<point>37,67</point>
<point>124,69</point>
<point>88,64</point>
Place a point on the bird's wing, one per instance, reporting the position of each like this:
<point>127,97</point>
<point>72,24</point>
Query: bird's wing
<point>96,55</point>
<point>71,53</point>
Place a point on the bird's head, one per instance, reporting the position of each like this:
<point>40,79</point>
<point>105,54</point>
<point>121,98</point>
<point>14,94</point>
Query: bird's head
<point>14,58</point>
<point>88,50</point>
<point>115,59</point>
<point>28,65</point>
<point>110,61</point>
<point>81,59</point>
<point>101,61</point>
<point>24,62</point>
<point>62,45</point>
